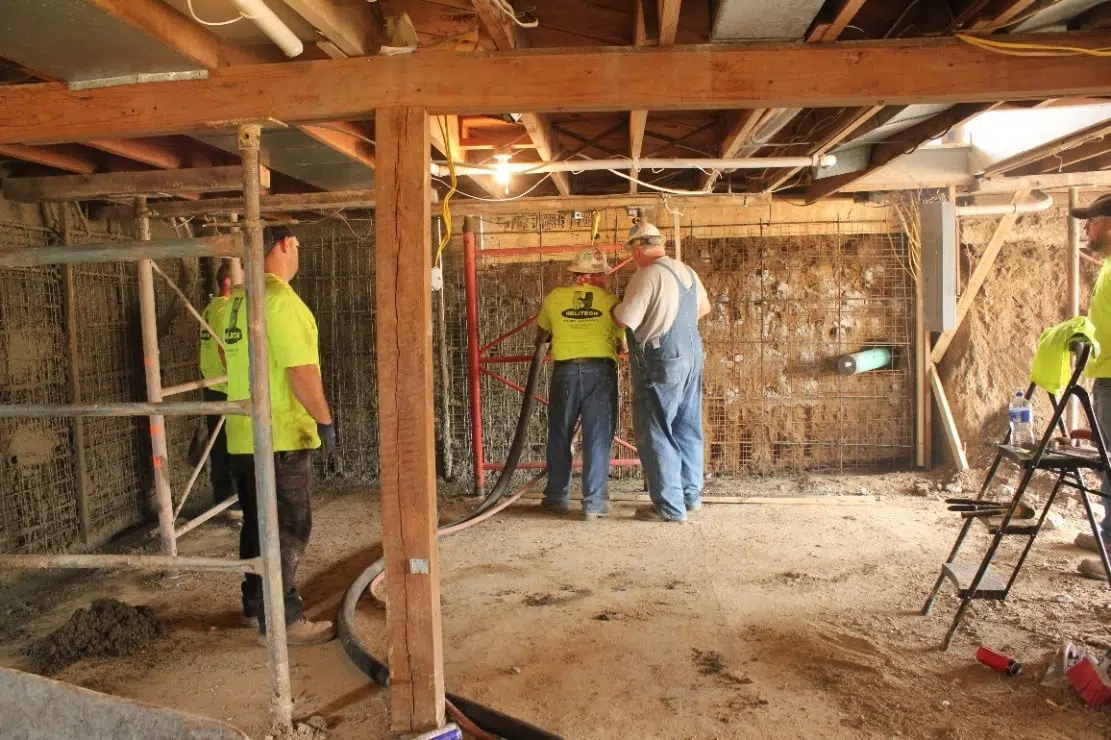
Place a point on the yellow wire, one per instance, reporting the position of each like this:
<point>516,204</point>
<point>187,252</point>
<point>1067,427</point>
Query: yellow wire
<point>1015,49</point>
<point>597,222</point>
<point>445,208</point>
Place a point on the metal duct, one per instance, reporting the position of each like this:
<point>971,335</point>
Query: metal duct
<point>744,20</point>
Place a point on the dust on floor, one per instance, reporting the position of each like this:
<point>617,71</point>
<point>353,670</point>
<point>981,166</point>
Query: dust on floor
<point>754,621</point>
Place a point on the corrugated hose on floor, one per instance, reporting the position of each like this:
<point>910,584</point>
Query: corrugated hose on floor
<point>491,722</point>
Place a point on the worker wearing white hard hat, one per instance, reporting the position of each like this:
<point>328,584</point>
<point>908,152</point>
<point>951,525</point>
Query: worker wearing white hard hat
<point>585,342</point>
<point>660,309</point>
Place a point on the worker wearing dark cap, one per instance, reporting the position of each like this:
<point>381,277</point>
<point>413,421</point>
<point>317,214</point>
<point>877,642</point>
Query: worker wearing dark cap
<point>1097,230</point>
<point>301,422</point>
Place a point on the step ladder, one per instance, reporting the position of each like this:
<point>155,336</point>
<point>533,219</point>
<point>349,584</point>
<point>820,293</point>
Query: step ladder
<point>979,580</point>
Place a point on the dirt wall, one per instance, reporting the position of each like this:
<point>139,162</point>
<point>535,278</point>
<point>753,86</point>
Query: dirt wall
<point>992,353</point>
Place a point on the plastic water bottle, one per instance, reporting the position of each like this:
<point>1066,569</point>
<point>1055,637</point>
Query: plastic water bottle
<point>1022,421</point>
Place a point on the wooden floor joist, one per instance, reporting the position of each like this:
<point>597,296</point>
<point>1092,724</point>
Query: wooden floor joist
<point>118,184</point>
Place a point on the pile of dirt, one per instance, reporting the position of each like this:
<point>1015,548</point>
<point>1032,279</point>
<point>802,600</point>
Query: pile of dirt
<point>108,628</point>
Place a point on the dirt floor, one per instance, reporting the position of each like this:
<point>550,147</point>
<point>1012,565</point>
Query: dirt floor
<point>754,621</point>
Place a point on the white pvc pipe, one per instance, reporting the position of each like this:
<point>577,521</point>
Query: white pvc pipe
<point>270,24</point>
<point>1002,209</point>
<point>582,165</point>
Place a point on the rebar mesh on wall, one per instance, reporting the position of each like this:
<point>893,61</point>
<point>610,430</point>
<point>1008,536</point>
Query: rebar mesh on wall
<point>38,465</point>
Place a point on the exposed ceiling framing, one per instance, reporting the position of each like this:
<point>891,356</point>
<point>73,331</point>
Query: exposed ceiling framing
<point>744,112</point>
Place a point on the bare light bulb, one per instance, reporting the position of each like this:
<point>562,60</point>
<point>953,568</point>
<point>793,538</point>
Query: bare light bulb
<point>501,175</point>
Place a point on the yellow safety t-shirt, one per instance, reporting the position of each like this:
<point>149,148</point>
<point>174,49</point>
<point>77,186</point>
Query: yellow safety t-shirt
<point>1100,314</point>
<point>211,365</point>
<point>292,342</point>
<point>578,317</point>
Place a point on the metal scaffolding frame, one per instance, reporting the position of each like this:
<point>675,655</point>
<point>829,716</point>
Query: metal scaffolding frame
<point>145,251</point>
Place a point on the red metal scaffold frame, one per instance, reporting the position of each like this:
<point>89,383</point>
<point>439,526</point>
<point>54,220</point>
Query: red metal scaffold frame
<point>478,355</point>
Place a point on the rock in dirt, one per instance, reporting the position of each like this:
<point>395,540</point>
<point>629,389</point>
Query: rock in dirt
<point>1053,521</point>
<point>955,487</point>
<point>922,488</point>
<point>108,628</point>
<point>311,730</point>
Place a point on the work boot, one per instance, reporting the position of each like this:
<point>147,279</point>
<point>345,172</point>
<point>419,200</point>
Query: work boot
<point>250,621</point>
<point>303,632</point>
<point>556,507</point>
<point>694,509</point>
<point>1092,568</point>
<point>1086,541</point>
<point>650,514</point>
<point>592,516</point>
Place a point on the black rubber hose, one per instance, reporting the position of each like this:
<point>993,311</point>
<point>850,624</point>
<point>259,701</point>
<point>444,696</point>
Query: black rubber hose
<point>488,719</point>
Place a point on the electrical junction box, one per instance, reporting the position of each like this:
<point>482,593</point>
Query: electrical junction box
<point>939,265</point>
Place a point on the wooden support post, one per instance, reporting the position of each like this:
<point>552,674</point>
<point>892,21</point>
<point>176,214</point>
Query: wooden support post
<point>921,382</point>
<point>160,456</point>
<point>948,423</point>
<point>1072,307</point>
<point>406,405</point>
<point>69,298</point>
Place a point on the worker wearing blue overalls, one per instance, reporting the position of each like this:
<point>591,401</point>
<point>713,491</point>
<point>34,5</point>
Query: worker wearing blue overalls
<point>660,310</point>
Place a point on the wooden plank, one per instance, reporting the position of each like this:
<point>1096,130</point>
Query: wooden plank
<point>896,72</point>
<point>842,17</point>
<point>978,276</point>
<point>899,144</point>
<point>406,406</point>
<point>948,423</point>
<point>155,152</point>
<point>1097,178</point>
<point>65,157</point>
<point>91,187</point>
<point>1065,159</point>
<point>348,24</point>
<point>346,138</point>
<point>1096,131</point>
<point>667,11</point>
<point>637,121</point>
<point>851,121</point>
<point>335,200</point>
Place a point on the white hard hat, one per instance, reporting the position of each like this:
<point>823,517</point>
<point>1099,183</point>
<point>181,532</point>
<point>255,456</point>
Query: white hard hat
<point>590,261</point>
<point>644,234</point>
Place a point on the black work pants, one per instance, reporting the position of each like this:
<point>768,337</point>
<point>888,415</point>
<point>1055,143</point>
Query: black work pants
<point>293,474</point>
<point>219,462</point>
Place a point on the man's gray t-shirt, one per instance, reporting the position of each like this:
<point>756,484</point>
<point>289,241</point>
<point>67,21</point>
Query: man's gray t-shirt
<point>651,300</point>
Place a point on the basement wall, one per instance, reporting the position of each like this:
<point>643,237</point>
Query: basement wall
<point>39,470</point>
<point>991,355</point>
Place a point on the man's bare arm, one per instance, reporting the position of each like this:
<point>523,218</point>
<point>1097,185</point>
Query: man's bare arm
<point>305,382</point>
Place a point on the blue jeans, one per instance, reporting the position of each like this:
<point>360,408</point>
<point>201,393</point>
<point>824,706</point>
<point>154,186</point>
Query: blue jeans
<point>667,418</point>
<point>587,391</point>
<point>1101,399</point>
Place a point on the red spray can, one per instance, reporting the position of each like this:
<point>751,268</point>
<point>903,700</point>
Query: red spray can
<point>998,661</point>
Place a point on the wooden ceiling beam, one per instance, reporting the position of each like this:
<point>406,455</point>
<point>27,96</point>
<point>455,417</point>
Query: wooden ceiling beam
<point>666,24</point>
<point>1067,158</point>
<point>96,186</point>
<point>895,72</point>
<point>503,32</point>
<point>899,144</point>
<point>345,137</point>
<point>65,157</point>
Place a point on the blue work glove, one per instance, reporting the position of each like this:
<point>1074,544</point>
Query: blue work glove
<point>327,433</point>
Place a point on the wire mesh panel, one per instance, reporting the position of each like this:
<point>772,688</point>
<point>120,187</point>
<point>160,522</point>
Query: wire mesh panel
<point>38,498</point>
<point>336,280</point>
<point>787,303</point>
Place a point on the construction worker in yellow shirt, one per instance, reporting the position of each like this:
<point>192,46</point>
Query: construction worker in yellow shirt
<point>212,366</point>
<point>301,422</point>
<point>585,343</point>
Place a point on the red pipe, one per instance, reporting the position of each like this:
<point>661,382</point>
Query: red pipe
<point>577,464</point>
<point>553,249</point>
<point>470,284</point>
